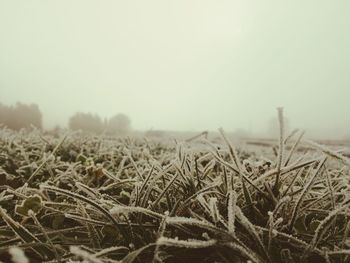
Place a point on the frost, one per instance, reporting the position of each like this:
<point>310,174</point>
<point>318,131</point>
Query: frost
<point>191,243</point>
<point>18,255</point>
<point>84,254</point>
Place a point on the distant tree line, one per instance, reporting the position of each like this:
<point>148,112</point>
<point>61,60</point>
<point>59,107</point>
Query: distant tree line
<point>20,116</point>
<point>118,124</point>
<point>27,115</point>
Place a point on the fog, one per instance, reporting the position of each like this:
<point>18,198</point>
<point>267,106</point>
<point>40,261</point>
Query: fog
<point>181,65</point>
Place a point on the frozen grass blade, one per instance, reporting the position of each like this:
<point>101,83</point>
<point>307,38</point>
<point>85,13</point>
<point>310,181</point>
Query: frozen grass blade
<point>232,150</point>
<point>155,203</point>
<point>232,200</point>
<point>32,215</point>
<point>46,159</point>
<point>81,198</point>
<point>111,250</point>
<point>281,150</point>
<point>86,256</point>
<point>131,257</point>
<point>252,231</point>
<point>189,244</point>
<point>294,147</point>
<point>323,227</point>
<point>330,152</point>
<point>250,254</point>
<point>17,255</point>
<point>25,235</point>
<point>131,209</point>
<point>286,140</point>
<point>303,193</point>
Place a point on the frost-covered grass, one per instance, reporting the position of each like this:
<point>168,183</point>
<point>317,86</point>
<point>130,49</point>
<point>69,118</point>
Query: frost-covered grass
<point>85,198</point>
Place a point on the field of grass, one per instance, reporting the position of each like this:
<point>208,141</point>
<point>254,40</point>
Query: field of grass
<point>85,198</point>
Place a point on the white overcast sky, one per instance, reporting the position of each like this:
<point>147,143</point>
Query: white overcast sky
<point>180,65</point>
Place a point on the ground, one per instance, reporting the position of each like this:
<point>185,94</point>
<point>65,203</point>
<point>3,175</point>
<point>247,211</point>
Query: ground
<point>86,198</point>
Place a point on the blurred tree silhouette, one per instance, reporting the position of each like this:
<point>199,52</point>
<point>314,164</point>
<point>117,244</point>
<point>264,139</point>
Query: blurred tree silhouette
<point>86,122</point>
<point>5,113</point>
<point>26,115</point>
<point>20,116</point>
<point>119,124</point>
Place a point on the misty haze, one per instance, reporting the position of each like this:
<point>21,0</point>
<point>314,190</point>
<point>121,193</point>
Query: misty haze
<point>174,131</point>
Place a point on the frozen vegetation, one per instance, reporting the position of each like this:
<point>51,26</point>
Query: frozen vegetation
<point>84,198</point>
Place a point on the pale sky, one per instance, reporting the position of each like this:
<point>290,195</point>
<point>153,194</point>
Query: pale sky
<point>180,65</point>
